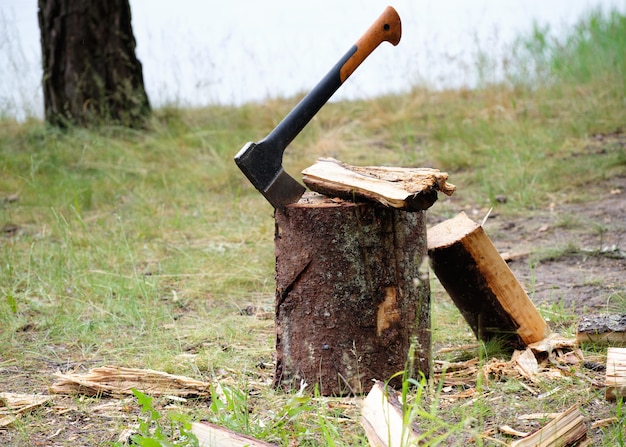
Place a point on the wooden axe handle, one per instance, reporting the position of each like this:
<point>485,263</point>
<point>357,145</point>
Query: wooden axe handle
<point>387,28</point>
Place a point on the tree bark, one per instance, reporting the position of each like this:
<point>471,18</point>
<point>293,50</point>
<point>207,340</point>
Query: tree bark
<point>91,74</point>
<point>352,295</point>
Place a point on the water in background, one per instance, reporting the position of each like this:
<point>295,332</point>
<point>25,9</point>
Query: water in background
<point>198,52</point>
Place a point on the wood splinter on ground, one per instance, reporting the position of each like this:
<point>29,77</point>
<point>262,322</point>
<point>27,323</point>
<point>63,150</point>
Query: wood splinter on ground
<point>117,381</point>
<point>211,435</point>
<point>14,404</point>
<point>482,285</point>
<point>409,189</point>
<point>382,419</point>
<point>567,429</point>
<point>615,373</point>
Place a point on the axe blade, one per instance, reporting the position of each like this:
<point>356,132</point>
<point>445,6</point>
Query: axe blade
<point>262,165</point>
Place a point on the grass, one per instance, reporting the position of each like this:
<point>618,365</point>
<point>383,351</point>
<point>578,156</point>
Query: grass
<point>141,248</point>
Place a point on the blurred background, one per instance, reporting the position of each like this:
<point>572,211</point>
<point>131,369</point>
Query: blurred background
<point>197,53</point>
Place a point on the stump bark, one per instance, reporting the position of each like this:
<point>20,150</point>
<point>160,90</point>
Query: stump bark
<point>352,295</point>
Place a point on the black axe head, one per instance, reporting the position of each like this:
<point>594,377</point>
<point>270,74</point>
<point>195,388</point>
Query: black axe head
<point>262,163</point>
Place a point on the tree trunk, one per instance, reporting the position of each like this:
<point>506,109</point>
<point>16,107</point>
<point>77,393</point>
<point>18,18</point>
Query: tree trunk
<point>352,295</point>
<point>90,72</point>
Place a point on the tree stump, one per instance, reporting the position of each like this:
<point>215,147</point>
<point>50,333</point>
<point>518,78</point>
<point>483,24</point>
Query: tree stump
<point>352,295</point>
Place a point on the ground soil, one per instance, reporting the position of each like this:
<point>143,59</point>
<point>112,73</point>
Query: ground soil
<point>568,255</point>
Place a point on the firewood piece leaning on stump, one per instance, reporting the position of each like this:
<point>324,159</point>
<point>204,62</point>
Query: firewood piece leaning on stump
<point>409,189</point>
<point>482,285</point>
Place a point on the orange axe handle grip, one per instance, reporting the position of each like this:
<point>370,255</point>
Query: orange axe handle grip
<point>387,28</point>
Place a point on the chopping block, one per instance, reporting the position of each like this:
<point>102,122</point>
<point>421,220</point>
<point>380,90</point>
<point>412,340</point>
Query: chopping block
<point>352,290</point>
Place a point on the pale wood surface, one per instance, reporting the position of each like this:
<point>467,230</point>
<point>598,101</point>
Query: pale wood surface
<point>119,381</point>
<point>409,189</point>
<point>567,429</point>
<point>615,373</point>
<point>211,435</point>
<point>382,419</point>
<point>481,283</point>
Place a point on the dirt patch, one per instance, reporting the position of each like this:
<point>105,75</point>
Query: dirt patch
<point>571,255</point>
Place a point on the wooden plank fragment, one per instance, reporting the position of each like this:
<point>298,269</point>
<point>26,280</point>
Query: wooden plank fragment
<point>382,419</point>
<point>211,435</point>
<point>482,285</point>
<point>602,329</point>
<point>117,381</point>
<point>567,429</point>
<point>410,189</point>
<point>615,373</point>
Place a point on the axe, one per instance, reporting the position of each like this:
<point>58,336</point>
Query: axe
<point>262,162</point>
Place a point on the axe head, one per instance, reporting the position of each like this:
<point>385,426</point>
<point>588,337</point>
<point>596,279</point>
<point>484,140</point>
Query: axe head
<point>262,163</point>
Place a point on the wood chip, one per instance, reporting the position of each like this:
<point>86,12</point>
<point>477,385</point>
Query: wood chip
<point>615,373</point>
<point>383,421</point>
<point>210,435</point>
<point>14,404</point>
<point>119,381</point>
<point>511,431</point>
<point>568,429</point>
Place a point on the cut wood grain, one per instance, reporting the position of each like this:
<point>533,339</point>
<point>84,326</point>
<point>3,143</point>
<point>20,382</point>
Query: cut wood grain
<point>211,435</point>
<point>14,404</point>
<point>117,381</point>
<point>615,373</point>
<point>383,421</point>
<point>482,285</point>
<point>602,329</point>
<point>567,429</point>
<point>409,189</point>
